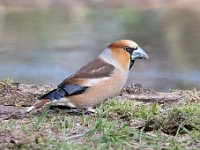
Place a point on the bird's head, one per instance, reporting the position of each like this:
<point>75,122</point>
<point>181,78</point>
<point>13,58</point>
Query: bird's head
<point>125,52</point>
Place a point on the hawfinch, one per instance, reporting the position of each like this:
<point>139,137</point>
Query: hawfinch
<point>100,79</point>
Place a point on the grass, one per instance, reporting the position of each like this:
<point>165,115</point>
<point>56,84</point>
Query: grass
<point>5,83</point>
<point>117,124</point>
<point>41,117</point>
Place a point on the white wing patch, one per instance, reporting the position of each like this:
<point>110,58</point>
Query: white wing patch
<point>92,82</point>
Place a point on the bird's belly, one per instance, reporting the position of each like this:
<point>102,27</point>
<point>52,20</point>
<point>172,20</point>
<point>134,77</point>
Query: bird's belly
<point>99,92</point>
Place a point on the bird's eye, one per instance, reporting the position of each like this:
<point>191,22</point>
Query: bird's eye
<point>130,49</point>
<point>127,48</point>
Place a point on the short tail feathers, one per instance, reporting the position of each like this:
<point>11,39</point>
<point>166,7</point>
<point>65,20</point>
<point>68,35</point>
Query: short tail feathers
<point>61,91</point>
<point>46,98</point>
<point>38,104</point>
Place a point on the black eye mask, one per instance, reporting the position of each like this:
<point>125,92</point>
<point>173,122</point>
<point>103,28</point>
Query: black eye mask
<point>130,51</point>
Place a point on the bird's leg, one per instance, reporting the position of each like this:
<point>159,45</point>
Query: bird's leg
<point>90,109</point>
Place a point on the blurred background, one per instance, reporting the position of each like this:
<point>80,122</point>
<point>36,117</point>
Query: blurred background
<point>44,41</point>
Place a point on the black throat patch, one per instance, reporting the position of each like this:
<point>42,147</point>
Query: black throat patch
<point>131,64</point>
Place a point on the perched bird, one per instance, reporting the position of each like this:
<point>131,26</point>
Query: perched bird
<point>98,80</point>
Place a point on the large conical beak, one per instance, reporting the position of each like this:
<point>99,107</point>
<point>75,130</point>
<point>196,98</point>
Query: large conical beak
<point>139,54</point>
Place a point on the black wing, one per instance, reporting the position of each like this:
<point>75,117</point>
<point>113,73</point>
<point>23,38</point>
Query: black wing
<point>64,90</point>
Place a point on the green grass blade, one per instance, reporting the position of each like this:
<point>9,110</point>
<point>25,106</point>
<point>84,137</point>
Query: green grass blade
<point>44,113</point>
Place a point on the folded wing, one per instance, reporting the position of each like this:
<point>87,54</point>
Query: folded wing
<point>87,76</point>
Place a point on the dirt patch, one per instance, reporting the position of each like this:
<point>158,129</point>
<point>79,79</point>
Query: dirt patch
<point>136,89</point>
<point>137,92</point>
<point>15,136</point>
<point>20,94</point>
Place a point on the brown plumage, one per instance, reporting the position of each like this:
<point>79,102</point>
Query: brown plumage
<point>97,68</point>
<point>100,79</point>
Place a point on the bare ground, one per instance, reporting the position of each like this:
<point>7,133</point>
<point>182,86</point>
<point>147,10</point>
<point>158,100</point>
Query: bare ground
<point>14,99</point>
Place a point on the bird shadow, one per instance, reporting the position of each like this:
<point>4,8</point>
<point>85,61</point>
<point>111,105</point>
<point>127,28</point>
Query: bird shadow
<point>70,111</point>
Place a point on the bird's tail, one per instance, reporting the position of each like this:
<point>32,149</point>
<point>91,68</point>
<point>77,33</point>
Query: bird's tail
<point>47,98</point>
<point>37,104</point>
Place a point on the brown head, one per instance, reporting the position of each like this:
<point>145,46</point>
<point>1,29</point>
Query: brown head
<point>125,52</point>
